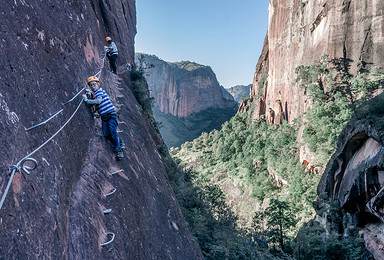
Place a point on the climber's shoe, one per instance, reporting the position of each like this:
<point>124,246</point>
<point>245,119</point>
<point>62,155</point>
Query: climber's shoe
<point>119,154</point>
<point>122,144</point>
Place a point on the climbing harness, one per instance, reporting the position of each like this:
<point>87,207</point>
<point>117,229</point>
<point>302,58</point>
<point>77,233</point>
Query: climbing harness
<point>27,164</point>
<point>20,167</point>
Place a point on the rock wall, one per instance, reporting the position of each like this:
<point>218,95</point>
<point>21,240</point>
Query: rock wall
<point>351,34</point>
<point>354,177</point>
<point>182,92</point>
<point>300,32</point>
<point>49,48</point>
<point>239,92</point>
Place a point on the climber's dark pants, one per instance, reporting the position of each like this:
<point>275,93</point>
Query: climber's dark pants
<point>112,63</point>
<point>109,126</point>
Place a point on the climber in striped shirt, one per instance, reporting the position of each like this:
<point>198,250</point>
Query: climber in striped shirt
<point>111,54</point>
<point>108,114</point>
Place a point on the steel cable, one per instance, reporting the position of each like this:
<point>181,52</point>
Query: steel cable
<point>20,164</point>
<point>73,98</point>
<point>16,168</point>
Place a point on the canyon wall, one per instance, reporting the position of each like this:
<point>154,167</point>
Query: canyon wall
<point>79,197</point>
<point>183,88</point>
<point>300,32</point>
<point>354,177</point>
<point>351,33</point>
<point>239,92</point>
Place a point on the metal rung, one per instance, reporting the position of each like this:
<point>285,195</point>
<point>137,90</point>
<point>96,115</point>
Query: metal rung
<point>110,241</point>
<point>116,172</point>
<point>113,191</point>
<point>107,211</point>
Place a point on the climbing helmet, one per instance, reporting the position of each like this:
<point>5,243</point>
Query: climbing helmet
<point>91,79</point>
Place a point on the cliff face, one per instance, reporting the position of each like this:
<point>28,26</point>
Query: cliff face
<point>351,34</point>
<point>56,212</point>
<point>182,91</point>
<point>354,177</point>
<point>239,92</point>
<point>299,32</point>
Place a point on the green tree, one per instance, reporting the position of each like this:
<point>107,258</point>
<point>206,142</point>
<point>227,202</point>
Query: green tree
<point>279,220</point>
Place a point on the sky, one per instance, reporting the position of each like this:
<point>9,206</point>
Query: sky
<point>227,35</point>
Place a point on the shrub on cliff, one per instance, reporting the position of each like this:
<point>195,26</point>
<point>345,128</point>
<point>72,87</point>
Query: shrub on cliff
<point>264,158</point>
<point>209,218</point>
<point>254,155</point>
<point>313,242</point>
<point>334,95</point>
<point>140,91</point>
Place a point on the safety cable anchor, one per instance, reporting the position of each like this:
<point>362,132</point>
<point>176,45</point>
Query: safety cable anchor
<point>27,168</point>
<point>14,168</point>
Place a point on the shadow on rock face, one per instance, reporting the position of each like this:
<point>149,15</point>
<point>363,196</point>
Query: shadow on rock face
<point>355,173</point>
<point>358,177</point>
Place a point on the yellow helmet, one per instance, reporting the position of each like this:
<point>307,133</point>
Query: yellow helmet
<point>92,78</point>
<point>108,39</point>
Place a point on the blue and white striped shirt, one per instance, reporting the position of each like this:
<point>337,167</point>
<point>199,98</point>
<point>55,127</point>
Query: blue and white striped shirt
<point>113,49</point>
<point>106,105</point>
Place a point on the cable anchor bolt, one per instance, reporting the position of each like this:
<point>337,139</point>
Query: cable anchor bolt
<point>26,168</point>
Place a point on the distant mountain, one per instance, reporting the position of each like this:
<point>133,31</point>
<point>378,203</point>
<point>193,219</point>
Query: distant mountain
<point>239,92</point>
<point>188,98</point>
<point>183,88</point>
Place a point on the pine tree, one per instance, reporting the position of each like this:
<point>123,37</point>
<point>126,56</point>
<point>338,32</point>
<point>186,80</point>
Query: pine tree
<point>279,220</point>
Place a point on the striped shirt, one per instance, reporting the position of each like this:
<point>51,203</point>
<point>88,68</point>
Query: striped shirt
<point>113,49</point>
<point>106,105</point>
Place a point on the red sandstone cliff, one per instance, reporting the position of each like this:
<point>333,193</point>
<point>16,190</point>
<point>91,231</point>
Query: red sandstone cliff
<point>350,33</point>
<point>300,32</point>
<point>49,48</point>
<point>183,91</point>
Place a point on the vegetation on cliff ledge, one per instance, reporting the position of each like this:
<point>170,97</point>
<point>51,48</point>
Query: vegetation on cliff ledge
<point>334,95</point>
<point>256,163</point>
<point>263,161</point>
<point>187,65</point>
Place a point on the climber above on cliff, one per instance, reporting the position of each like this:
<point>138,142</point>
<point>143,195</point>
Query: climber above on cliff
<point>108,115</point>
<point>111,50</point>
